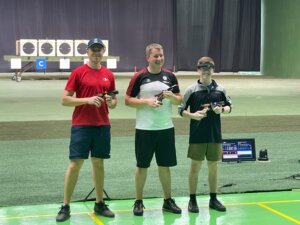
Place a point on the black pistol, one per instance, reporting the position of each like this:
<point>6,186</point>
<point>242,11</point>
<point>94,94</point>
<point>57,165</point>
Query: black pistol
<point>110,93</point>
<point>160,96</point>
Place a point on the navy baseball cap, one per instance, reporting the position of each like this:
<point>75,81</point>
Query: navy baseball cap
<point>95,41</point>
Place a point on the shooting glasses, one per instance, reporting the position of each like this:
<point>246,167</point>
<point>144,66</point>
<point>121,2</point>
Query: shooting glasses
<point>206,66</point>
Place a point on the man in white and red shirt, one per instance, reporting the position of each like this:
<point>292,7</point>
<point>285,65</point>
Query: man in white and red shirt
<point>153,91</point>
<point>90,132</point>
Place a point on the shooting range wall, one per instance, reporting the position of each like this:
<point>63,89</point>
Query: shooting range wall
<point>280,38</point>
<point>228,31</point>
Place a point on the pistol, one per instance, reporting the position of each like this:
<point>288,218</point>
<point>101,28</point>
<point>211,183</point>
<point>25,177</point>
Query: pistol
<point>110,93</point>
<point>160,96</point>
<point>212,105</point>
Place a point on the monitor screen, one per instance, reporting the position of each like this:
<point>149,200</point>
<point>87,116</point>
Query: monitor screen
<point>236,150</point>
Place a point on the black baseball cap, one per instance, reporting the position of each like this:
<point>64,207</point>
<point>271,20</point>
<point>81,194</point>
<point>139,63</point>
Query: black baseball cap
<point>95,41</point>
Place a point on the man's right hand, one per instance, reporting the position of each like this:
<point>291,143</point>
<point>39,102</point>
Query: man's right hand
<point>153,103</point>
<point>199,115</point>
<point>95,100</point>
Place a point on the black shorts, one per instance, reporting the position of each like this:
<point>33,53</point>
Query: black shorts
<point>160,142</point>
<point>86,139</point>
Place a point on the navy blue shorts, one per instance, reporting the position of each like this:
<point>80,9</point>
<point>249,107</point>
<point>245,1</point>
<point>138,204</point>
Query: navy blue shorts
<point>160,142</point>
<point>86,139</point>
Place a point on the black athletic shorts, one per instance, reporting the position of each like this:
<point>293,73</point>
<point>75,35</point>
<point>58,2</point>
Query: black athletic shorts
<point>86,139</point>
<point>160,142</point>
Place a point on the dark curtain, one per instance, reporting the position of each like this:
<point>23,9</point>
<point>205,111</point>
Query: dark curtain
<point>55,19</point>
<point>228,31</point>
<point>129,25</point>
<point>136,23</point>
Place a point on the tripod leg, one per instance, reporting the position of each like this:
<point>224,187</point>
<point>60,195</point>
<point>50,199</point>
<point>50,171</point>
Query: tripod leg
<point>108,198</point>
<point>86,198</point>
<point>88,195</point>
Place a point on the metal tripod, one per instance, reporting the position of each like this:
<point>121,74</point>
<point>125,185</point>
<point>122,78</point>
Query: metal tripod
<point>86,198</point>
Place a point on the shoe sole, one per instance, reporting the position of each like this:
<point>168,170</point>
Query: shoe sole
<point>108,216</point>
<point>138,214</point>
<point>193,211</point>
<point>59,221</point>
<point>219,210</point>
<point>168,210</point>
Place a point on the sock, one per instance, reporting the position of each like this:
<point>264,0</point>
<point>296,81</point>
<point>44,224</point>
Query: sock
<point>66,205</point>
<point>213,196</point>
<point>193,197</point>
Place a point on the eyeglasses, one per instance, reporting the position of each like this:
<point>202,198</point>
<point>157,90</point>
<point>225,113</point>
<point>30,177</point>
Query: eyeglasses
<point>206,66</point>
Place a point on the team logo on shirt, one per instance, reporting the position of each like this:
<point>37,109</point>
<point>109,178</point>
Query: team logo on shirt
<point>105,79</point>
<point>165,80</point>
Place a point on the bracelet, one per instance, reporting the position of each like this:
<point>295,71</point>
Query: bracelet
<point>223,109</point>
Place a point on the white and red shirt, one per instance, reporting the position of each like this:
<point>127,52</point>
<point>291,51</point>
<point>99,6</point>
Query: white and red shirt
<point>145,85</point>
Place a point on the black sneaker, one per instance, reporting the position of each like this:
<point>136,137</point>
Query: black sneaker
<point>193,207</point>
<point>63,214</point>
<point>102,209</point>
<point>138,208</point>
<point>170,206</point>
<point>216,205</point>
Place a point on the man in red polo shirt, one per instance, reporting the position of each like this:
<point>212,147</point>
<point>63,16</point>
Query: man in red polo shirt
<point>90,132</point>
